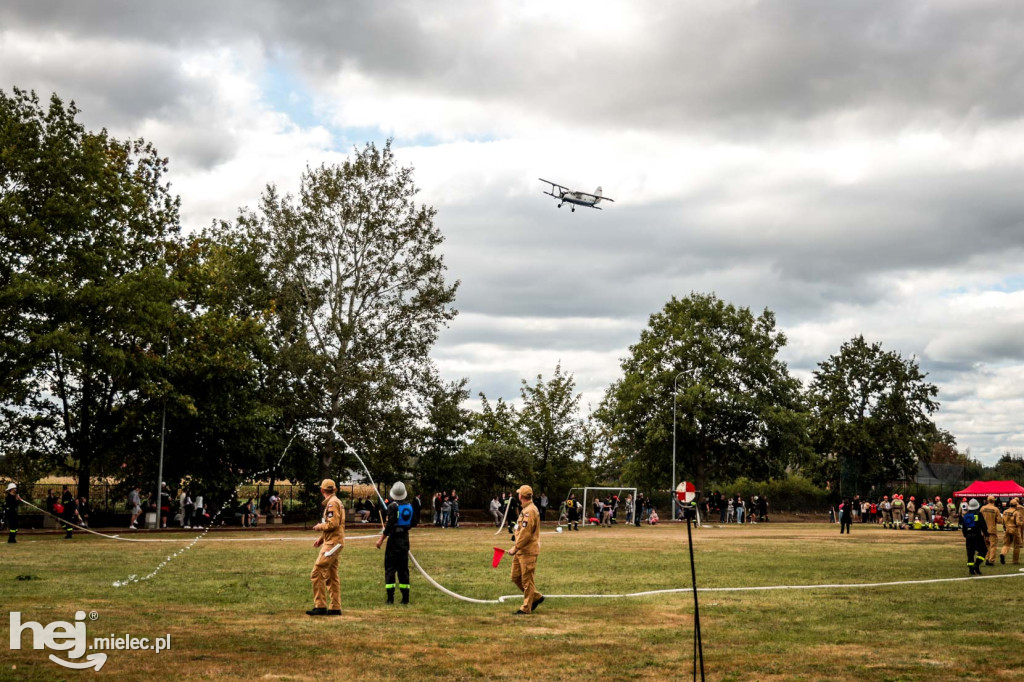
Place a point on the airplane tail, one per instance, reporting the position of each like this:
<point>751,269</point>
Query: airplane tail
<point>597,193</point>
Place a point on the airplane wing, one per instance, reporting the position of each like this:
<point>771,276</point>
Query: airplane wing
<point>595,196</point>
<point>555,184</point>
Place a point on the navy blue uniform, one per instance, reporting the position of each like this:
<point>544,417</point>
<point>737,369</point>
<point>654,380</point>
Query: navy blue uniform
<point>11,516</point>
<point>973,526</point>
<point>396,554</point>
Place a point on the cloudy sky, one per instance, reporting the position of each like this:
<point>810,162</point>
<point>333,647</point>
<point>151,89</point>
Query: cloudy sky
<point>856,167</point>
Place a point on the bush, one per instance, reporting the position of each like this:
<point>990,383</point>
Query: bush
<point>791,494</point>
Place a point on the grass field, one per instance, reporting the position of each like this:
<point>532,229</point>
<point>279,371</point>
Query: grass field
<point>236,609</point>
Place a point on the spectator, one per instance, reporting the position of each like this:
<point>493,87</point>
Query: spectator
<point>446,511</point>
<point>629,509</point>
<point>438,503</point>
<point>199,516</point>
<point>543,506</point>
<point>364,511</point>
<point>495,509</point>
<point>417,508</point>
<point>188,510</point>
<point>652,517</point>
<point>249,514</point>
<point>135,505</point>
<point>51,500</point>
<point>455,509</point>
<point>83,512</point>
<point>165,505</point>
<point>276,505</point>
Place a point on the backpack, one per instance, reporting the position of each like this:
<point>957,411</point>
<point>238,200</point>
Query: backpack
<point>404,516</point>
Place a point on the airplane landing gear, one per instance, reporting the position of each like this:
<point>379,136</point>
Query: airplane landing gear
<point>573,209</point>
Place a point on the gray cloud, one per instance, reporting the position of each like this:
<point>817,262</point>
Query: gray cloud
<point>742,69</point>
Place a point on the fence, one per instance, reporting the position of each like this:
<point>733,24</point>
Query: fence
<point>112,498</point>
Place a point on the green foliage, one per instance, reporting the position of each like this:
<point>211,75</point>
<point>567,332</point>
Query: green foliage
<point>359,298</point>
<point>870,417</point>
<point>443,463</point>
<point>86,302</point>
<point>1010,467</point>
<point>792,493</point>
<point>738,410</point>
<point>551,430</point>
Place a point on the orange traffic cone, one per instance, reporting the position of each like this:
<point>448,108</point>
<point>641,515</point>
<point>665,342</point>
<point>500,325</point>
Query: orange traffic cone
<point>498,554</point>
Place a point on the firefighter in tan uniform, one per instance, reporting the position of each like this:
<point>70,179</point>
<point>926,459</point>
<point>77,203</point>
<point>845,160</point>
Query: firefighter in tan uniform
<point>330,542</point>
<point>1013,524</point>
<point>524,552</point>
<point>990,512</point>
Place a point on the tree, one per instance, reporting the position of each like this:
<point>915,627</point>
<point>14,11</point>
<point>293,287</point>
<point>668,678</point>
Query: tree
<point>738,410</point>
<point>551,428</point>
<point>442,461</point>
<point>86,301</point>
<point>360,298</point>
<point>495,456</point>
<point>870,416</point>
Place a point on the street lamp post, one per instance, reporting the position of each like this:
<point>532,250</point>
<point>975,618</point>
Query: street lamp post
<point>675,391</point>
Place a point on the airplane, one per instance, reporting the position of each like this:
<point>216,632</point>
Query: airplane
<point>568,196</point>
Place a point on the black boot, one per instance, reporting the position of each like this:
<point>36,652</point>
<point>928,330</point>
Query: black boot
<point>333,612</point>
<point>405,595</point>
<point>317,611</point>
<point>391,595</point>
<point>1002,558</point>
<point>12,538</point>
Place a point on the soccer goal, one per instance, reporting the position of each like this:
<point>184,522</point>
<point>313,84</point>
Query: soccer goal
<point>586,498</point>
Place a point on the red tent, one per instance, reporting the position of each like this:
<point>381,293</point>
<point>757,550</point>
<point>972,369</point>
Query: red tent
<point>997,488</point>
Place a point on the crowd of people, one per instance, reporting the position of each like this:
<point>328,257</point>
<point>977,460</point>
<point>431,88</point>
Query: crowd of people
<point>734,509</point>
<point>900,512</point>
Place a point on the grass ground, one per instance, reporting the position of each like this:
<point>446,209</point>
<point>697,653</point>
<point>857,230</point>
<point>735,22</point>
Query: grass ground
<point>236,609</point>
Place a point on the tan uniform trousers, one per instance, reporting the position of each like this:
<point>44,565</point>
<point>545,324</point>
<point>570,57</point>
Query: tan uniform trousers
<point>1012,538</point>
<point>993,547</point>
<point>325,577</point>
<point>523,566</point>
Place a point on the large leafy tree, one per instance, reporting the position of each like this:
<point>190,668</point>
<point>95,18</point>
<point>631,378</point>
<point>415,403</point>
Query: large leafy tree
<point>552,430</point>
<point>442,463</point>
<point>496,458</point>
<point>871,416</point>
<point>360,297</point>
<point>738,409</point>
<point>86,301</point>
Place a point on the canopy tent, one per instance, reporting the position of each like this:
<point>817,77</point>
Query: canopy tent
<point>997,488</point>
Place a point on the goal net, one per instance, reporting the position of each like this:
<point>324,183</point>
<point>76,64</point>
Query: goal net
<point>586,496</point>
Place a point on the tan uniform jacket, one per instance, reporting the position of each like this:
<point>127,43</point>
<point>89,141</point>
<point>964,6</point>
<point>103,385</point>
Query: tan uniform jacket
<point>1020,517</point>
<point>528,531</point>
<point>1010,520</point>
<point>992,516</point>
<point>334,517</point>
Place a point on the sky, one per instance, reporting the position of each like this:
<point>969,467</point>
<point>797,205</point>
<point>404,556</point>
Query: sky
<point>855,167</point>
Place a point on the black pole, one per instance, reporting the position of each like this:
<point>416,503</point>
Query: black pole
<point>697,643</point>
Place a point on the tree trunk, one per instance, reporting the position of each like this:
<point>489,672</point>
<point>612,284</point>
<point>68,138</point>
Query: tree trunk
<point>83,478</point>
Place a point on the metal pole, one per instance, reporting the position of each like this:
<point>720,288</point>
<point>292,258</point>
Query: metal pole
<point>698,644</point>
<point>675,392</point>
<point>163,430</point>
<point>160,471</point>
